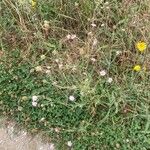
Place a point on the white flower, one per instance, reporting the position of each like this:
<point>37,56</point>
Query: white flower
<point>42,105</point>
<point>71,36</point>
<point>93,25</point>
<point>34,98</point>
<point>93,59</point>
<point>118,52</point>
<point>43,57</point>
<point>103,72</point>
<point>109,80</point>
<point>71,98</point>
<point>34,103</point>
<point>69,143</point>
<point>38,68</point>
<point>76,4</point>
<point>68,36</point>
<point>102,25</point>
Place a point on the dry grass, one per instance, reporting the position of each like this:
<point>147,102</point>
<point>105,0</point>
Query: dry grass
<point>57,50</point>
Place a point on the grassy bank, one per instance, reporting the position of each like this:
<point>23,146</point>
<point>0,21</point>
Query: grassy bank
<point>78,71</point>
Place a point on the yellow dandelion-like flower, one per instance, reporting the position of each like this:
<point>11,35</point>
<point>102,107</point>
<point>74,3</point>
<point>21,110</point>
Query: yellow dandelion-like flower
<point>141,46</point>
<point>33,3</point>
<point>137,68</point>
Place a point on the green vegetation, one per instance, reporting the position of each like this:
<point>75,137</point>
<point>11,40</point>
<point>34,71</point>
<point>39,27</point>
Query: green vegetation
<point>67,70</point>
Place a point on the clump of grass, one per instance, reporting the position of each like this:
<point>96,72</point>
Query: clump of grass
<point>68,69</point>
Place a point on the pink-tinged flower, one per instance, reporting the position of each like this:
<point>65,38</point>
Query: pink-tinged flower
<point>103,72</point>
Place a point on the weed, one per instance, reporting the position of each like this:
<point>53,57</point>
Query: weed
<point>71,70</point>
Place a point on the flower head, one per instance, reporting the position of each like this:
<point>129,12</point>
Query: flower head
<point>110,80</point>
<point>43,57</point>
<point>34,103</point>
<point>71,98</point>
<point>33,3</point>
<point>69,143</point>
<point>118,53</point>
<point>102,72</point>
<point>71,36</point>
<point>38,68</point>
<point>141,46</point>
<point>34,98</point>
<point>102,25</point>
<point>137,68</point>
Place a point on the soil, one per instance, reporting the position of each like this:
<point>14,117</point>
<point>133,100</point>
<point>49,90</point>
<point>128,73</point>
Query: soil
<point>12,139</point>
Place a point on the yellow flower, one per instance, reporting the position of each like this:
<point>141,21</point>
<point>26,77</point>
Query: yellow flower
<point>137,68</point>
<point>33,3</point>
<point>141,46</point>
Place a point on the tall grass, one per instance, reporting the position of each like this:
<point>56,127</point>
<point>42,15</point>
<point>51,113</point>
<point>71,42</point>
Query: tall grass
<point>77,58</point>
